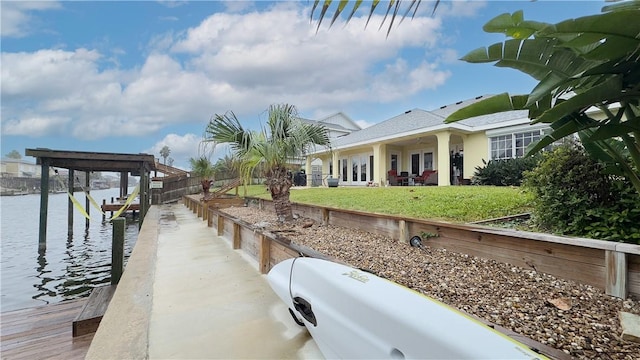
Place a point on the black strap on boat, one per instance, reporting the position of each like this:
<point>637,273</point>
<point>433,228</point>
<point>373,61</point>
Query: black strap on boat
<point>295,318</point>
<point>300,304</point>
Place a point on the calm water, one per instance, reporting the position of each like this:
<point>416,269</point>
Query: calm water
<point>70,266</point>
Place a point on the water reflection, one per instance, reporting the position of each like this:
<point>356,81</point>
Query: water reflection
<point>42,271</point>
<point>69,267</point>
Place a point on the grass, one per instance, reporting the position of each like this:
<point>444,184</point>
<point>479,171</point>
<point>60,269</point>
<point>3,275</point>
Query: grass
<point>459,204</point>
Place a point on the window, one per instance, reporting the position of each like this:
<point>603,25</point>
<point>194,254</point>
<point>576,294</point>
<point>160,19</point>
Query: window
<point>354,166</point>
<point>415,164</point>
<point>428,161</point>
<point>501,147</point>
<point>512,145</point>
<point>394,162</point>
<point>363,168</point>
<point>523,140</point>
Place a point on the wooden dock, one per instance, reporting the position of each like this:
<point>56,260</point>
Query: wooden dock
<point>43,332</point>
<point>115,207</point>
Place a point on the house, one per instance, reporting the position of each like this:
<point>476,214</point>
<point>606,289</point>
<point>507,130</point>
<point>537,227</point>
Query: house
<point>20,168</point>
<point>338,125</point>
<point>420,140</point>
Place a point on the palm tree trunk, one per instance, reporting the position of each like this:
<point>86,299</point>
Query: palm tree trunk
<point>279,186</point>
<point>206,185</point>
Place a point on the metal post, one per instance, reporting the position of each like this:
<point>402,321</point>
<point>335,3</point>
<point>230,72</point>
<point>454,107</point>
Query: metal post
<point>117,250</point>
<point>70,204</point>
<point>44,203</point>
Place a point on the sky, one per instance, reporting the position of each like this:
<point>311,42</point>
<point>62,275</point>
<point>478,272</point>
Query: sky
<point>134,76</point>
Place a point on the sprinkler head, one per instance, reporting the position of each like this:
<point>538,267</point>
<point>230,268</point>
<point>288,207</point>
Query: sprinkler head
<point>416,241</point>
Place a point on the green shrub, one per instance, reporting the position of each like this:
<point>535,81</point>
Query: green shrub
<point>572,195</point>
<point>508,172</point>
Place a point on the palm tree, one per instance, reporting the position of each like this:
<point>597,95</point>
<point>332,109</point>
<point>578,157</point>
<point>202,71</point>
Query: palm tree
<point>226,167</point>
<point>285,139</point>
<point>164,152</point>
<point>203,168</point>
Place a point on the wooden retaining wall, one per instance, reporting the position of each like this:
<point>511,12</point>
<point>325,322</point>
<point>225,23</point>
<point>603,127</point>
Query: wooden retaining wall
<point>613,267</point>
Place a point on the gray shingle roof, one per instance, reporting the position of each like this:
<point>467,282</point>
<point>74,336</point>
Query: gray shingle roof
<point>418,120</point>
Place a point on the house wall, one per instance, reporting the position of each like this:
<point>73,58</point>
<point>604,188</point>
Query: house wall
<point>475,150</point>
<point>20,168</point>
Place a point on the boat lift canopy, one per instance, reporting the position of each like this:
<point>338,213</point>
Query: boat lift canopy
<point>136,164</point>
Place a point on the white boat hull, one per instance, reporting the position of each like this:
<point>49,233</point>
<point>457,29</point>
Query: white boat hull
<point>360,315</point>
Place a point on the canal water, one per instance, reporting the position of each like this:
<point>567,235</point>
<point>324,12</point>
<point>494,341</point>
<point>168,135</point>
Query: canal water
<point>70,266</point>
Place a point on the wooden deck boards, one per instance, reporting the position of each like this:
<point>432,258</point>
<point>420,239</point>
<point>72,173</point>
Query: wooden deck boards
<point>88,320</point>
<point>43,332</point>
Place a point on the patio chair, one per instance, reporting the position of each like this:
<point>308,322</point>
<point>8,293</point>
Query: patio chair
<point>392,176</point>
<point>422,179</point>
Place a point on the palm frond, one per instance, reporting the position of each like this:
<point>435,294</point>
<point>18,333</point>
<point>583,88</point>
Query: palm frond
<point>227,129</point>
<point>396,5</point>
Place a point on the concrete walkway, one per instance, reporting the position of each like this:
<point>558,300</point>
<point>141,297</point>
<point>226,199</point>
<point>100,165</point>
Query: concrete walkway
<point>208,301</point>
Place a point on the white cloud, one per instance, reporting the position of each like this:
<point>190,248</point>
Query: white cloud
<point>35,126</point>
<point>239,62</point>
<point>16,16</point>
<point>184,147</point>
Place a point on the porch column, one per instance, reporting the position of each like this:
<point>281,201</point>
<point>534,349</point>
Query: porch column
<point>443,158</point>
<point>307,171</point>
<point>379,164</point>
<point>336,169</point>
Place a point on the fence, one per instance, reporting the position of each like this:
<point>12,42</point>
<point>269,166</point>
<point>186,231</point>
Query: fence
<point>174,188</point>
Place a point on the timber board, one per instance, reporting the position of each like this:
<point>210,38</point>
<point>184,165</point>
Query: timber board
<point>43,332</point>
<point>249,241</point>
<point>279,253</point>
<point>306,211</point>
<point>378,225</point>
<point>94,309</point>
<point>116,207</point>
<point>587,274</point>
<point>534,247</point>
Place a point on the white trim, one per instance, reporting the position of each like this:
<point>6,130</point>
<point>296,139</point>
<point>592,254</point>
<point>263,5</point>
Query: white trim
<point>515,129</point>
<point>512,132</point>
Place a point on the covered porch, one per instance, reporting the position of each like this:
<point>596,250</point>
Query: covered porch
<point>439,158</point>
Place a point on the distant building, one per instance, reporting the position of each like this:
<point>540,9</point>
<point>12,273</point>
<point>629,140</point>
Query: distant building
<point>19,168</point>
<point>338,125</point>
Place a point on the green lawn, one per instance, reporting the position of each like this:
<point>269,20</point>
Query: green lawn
<point>451,203</point>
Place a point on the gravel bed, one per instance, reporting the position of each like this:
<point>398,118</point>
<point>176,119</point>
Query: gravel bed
<point>578,319</point>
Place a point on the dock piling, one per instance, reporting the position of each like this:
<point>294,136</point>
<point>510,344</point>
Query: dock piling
<point>44,204</point>
<point>117,250</point>
<point>70,188</point>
